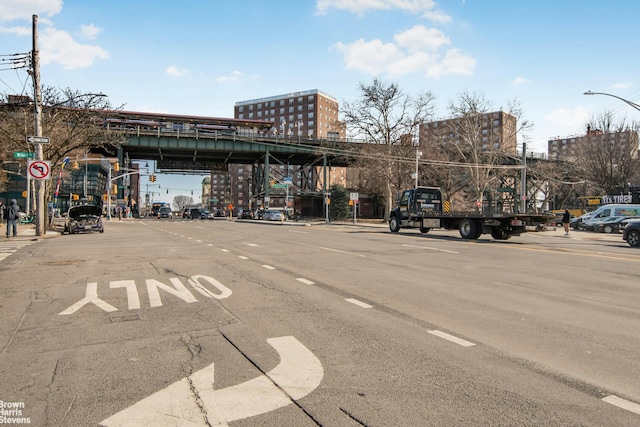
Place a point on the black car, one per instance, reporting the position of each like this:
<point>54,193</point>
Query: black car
<point>245,214</point>
<point>83,218</point>
<point>631,233</point>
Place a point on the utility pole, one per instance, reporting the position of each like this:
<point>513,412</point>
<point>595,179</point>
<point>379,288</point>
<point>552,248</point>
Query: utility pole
<point>35,68</point>
<point>523,178</point>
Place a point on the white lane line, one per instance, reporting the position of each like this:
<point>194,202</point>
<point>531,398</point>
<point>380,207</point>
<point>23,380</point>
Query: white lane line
<point>451,338</point>
<point>358,303</point>
<point>243,257</point>
<point>209,244</point>
<point>343,252</point>
<point>268,267</point>
<point>305,281</point>
<point>622,403</point>
<point>431,249</point>
<point>251,244</point>
<point>199,241</point>
<point>224,250</point>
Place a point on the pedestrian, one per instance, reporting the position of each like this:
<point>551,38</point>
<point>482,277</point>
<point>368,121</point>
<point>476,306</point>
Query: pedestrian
<point>13,213</point>
<point>566,218</point>
<point>2,209</point>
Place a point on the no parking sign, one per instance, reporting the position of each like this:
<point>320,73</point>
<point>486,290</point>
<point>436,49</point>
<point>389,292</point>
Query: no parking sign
<point>39,169</point>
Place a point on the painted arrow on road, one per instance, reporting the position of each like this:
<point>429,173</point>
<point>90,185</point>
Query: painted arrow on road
<point>193,401</point>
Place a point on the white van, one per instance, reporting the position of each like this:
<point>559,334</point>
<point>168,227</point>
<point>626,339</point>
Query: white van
<point>611,211</point>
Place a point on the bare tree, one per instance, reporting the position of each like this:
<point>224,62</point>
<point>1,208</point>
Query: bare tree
<point>180,202</point>
<point>480,150</point>
<point>73,122</point>
<point>387,119</point>
<point>608,155</point>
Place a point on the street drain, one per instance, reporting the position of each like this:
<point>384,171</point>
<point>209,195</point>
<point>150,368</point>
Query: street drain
<point>127,318</point>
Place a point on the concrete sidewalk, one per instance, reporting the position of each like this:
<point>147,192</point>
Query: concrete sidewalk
<point>26,231</point>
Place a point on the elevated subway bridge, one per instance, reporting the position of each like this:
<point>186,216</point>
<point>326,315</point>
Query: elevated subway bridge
<point>191,144</point>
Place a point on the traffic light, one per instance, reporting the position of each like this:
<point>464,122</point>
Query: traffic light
<point>152,178</point>
<point>75,197</point>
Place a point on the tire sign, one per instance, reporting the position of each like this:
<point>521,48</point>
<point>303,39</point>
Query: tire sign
<point>39,169</point>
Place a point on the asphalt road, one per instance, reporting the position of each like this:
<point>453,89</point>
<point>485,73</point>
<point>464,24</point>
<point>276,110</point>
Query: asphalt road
<point>248,323</point>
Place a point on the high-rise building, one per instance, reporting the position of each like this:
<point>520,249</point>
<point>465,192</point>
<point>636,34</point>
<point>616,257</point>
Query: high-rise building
<point>565,148</point>
<point>491,132</point>
<point>310,114</point>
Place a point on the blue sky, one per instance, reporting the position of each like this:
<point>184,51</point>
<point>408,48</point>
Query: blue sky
<point>201,56</point>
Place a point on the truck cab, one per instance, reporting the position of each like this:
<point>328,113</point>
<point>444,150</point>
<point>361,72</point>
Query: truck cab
<point>415,201</point>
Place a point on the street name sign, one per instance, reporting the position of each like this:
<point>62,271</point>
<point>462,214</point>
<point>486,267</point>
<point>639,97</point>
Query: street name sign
<point>22,155</point>
<point>38,139</point>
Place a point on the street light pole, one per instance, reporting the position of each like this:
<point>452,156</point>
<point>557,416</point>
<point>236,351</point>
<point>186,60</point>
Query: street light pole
<point>626,101</point>
<point>418,155</point>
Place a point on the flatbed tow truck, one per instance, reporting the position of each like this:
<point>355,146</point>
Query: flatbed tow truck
<point>421,208</point>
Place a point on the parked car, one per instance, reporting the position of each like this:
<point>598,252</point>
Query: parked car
<point>631,232</point>
<point>273,215</point>
<point>206,214</point>
<point>245,214</point>
<point>258,214</point>
<point>164,212</point>
<point>84,218</point>
<point>191,213</point>
<point>610,225</point>
<point>577,223</point>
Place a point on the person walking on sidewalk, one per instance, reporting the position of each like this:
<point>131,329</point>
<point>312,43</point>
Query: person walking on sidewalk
<point>566,219</point>
<point>13,214</point>
<point>2,209</point>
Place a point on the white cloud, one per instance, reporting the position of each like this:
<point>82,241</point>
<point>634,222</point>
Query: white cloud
<point>518,81</point>
<point>414,51</point>
<point>90,32</point>
<point>621,85</point>
<point>18,31</point>
<point>419,38</point>
<point>372,57</point>
<point>565,118</point>
<point>231,78</point>
<point>25,9</point>
<point>361,6</point>
<point>57,46</point>
<point>177,72</point>
<point>437,16</point>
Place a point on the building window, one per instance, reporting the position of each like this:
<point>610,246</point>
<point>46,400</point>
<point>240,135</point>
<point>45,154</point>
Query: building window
<point>310,98</point>
<point>241,116</point>
<point>291,109</point>
<point>282,111</point>
<point>241,108</point>
<point>259,113</point>
<point>282,102</point>
<point>300,107</point>
<point>250,107</point>
<point>310,115</point>
<point>310,107</point>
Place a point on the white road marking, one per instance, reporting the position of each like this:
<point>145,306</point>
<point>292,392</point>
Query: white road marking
<point>251,244</point>
<point>10,246</point>
<point>268,267</point>
<point>305,281</point>
<point>451,338</point>
<point>187,402</point>
<point>224,250</point>
<point>243,257</point>
<point>209,244</point>
<point>431,249</point>
<point>341,251</point>
<point>623,403</point>
<point>358,303</point>
<point>199,241</point>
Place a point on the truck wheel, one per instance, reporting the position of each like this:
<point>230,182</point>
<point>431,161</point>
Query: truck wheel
<point>394,224</point>
<point>633,238</point>
<point>469,229</point>
<point>499,233</point>
<point>424,230</point>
